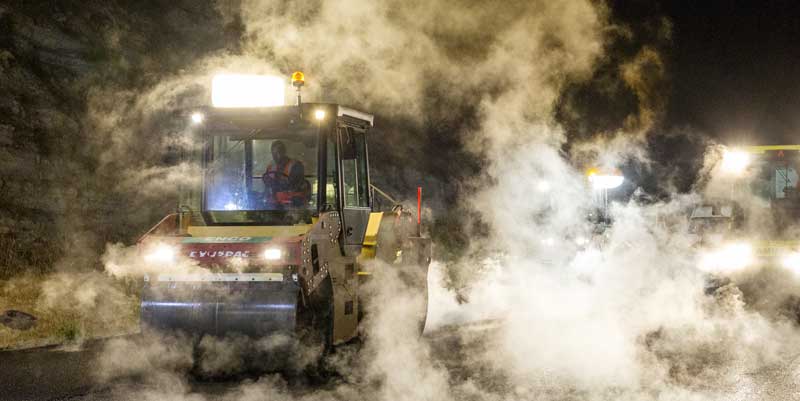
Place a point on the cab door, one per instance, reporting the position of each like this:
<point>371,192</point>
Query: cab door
<point>355,188</point>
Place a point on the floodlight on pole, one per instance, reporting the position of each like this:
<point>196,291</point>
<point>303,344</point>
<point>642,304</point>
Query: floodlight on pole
<point>604,181</point>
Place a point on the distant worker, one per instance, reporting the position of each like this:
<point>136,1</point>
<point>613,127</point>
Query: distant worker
<point>284,180</point>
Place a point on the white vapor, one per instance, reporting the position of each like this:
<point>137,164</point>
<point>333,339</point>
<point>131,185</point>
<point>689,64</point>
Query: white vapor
<point>623,319</point>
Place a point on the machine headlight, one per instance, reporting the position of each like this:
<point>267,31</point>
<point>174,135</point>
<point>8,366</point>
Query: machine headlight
<point>197,117</point>
<point>161,253</point>
<point>543,186</point>
<point>792,262</point>
<point>273,254</point>
<point>729,258</point>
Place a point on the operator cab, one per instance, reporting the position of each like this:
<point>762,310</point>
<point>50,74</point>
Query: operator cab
<point>777,182</point>
<point>325,167</point>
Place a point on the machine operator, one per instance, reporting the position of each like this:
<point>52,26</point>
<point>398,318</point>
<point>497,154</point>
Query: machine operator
<point>284,181</point>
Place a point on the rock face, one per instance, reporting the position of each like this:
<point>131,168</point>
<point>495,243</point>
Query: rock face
<point>59,198</point>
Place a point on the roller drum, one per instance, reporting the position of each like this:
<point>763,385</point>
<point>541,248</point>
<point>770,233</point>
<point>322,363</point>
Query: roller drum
<point>254,309</point>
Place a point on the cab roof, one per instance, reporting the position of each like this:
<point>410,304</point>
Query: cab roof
<point>285,116</point>
<point>767,148</point>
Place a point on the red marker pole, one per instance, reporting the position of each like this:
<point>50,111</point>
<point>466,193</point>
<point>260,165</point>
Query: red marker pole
<point>419,211</point>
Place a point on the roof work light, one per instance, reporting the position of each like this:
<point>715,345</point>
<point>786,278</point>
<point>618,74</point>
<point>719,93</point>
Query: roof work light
<point>238,90</point>
<point>735,161</point>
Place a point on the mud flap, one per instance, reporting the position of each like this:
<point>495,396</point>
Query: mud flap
<point>255,305</point>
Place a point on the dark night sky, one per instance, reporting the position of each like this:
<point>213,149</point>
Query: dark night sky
<point>735,69</point>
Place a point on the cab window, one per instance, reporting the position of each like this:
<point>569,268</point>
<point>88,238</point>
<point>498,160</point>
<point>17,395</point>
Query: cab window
<point>332,175</point>
<point>354,167</point>
<point>785,182</point>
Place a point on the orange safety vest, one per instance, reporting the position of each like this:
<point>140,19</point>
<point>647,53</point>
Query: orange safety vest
<point>285,197</point>
<point>286,169</point>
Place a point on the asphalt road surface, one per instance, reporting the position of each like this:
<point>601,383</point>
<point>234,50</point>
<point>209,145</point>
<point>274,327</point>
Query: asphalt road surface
<point>48,373</point>
<point>70,374</point>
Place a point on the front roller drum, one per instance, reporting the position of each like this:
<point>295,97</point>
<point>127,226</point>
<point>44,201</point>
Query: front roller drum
<point>217,306</point>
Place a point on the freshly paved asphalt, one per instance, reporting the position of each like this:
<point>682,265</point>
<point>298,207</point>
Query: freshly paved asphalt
<point>64,374</point>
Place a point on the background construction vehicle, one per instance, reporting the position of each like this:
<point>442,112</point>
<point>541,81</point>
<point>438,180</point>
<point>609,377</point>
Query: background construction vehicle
<point>749,237</point>
<point>763,191</point>
<point>259,268</point>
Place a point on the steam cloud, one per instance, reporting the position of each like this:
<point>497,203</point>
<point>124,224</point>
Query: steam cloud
<point>626,320</point>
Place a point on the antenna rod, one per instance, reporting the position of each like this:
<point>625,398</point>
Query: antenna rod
<point>419,211</point>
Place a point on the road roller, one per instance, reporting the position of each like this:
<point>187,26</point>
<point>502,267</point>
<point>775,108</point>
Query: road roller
<point>279,228</point>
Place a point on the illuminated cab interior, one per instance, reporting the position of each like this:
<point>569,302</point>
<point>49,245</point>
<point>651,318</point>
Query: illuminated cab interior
<point>234,140</point>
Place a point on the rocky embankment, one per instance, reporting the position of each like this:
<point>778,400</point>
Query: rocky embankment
<point>66,69</point>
